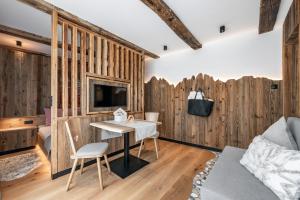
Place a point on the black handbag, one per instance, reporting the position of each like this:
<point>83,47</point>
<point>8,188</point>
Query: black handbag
<point>200,107</point>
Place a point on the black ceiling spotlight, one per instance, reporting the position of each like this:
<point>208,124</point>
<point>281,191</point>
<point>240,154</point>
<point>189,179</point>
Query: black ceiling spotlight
<point>222,29</point>
<point>165,47</point>
<point>18,43</point>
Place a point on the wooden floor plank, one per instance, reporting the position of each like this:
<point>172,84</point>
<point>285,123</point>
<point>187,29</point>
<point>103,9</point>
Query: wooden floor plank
<point>169,177</point>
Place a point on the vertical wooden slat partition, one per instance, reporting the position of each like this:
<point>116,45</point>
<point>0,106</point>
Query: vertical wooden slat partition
<point>85,53</point>
<point>65,71</point>
<point>54,81</point>
<point>74,74</point>
<point>291,57</point>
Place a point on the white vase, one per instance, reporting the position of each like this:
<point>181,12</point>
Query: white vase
<point>151,116</point>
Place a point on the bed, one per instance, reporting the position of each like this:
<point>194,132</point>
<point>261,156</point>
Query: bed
<point>44,139</point>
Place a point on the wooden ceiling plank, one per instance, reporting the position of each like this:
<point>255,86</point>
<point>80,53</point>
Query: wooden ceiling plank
<point>49,8</point>
<point>268,15</point>
<point>171,19</point>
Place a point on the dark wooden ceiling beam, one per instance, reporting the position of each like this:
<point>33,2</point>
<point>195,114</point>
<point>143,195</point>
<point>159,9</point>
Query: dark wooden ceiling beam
<point>25,35</point>
<point>171,19</point>
<point>48,8</point>
<point>268,15</point>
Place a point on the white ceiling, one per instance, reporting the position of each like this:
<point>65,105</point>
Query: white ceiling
<point>135,22</point>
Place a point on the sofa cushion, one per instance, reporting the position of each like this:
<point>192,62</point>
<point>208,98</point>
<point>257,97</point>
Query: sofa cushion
<point>294,126</point>
<point>280,134</point>
<point>257,155</point>
<point>274,165</point>
<point>230,180</point>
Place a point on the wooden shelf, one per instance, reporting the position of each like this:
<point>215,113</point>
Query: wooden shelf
<point>18,128</point>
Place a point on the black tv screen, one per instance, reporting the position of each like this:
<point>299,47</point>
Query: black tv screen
<point>109,96</point>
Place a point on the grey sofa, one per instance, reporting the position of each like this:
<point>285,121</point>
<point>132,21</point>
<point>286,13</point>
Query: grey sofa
<point>229,180</point>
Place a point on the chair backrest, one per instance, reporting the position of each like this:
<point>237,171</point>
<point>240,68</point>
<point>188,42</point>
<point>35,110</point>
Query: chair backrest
<point>151,116</point>
<point>73,135</point>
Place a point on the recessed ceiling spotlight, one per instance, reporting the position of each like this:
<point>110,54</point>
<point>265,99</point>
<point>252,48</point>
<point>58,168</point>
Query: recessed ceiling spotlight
<point>18,43</point>
<point>165,47</point>
<point>222,29</point>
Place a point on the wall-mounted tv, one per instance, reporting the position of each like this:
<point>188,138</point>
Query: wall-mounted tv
<point>105,95</point>
<point>108,96</point>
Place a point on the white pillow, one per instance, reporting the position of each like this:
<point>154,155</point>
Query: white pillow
<point>280,134</point>
<point>276,166</point>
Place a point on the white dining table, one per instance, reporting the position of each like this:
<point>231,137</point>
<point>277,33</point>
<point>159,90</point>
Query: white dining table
<point>128,164</point>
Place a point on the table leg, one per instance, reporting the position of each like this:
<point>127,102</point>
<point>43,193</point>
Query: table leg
<point>126,150</point>
<point>128,164</point>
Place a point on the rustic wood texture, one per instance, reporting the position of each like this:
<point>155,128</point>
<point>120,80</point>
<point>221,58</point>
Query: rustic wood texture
<point>176,166</point>
<point>93,56</point>
<point>290,57</point>
<point>243,109</point>
<point>268,15</point>
<point>291,24</point>
<point>173,21</point>
<point>14,134</point>
<point>24,83</point>
<point>49,8</point>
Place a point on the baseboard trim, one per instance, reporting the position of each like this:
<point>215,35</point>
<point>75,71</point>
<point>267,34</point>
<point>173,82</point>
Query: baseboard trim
<point>16,150</point>
<point>67,171</point>
<point>193,145</point>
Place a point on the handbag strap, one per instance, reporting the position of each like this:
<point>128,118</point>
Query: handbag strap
<point>201,92</point>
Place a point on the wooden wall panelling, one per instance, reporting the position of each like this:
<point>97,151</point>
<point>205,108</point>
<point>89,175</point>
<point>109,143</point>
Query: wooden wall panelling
<point>91,53</point>
<point>54,81</point>
<point>111,59</point>
<point>17,139</point>
<point>65,71</point>
<point>142,82</point>
<point>139,83</point>
<point>83,73</point>
<point>116,61</point>
<point>99,56</point>
<point>243,108</point>
<point>24,84</point>
<point>105,58</point>
<point>135,82</point>
<point>131,79</point>
<point>122,71</point>
<point>127,75</point>
<point>74,72</point>
<point>291,56</point>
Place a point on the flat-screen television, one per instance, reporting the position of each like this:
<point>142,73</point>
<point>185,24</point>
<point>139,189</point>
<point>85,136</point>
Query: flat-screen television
<point>109,96</point>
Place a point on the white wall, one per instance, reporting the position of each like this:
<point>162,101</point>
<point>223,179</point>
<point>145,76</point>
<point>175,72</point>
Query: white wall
<point>243,54</point>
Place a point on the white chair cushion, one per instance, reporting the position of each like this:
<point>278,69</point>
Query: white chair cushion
<point>92,150</point>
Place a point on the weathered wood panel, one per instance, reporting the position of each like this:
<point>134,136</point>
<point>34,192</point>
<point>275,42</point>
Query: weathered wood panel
<point>24,83</point>
<point>290,57</point>
<point>243,109</point>
<point>99,57</point>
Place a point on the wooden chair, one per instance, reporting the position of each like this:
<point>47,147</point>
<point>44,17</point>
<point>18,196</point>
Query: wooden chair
<point>80,151</point>
<point>154,137</point>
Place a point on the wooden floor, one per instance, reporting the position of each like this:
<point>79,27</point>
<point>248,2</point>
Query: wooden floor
<point>170,177</point>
